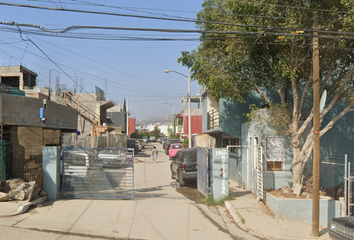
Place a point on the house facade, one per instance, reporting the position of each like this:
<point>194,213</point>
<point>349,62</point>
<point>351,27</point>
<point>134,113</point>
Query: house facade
<point>28,122</point>
<point>182,119</point>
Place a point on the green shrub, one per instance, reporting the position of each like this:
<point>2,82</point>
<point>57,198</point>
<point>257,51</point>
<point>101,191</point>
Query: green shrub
<point>185,143</point>
<point>210,201</point>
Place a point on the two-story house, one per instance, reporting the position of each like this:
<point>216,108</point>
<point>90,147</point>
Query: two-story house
<point>182,119</point>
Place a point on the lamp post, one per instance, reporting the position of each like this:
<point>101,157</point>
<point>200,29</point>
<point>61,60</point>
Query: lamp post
<point>173,115</point>
<point>189,106</point>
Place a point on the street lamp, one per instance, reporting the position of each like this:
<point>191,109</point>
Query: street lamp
<point>173,115</point>
<point>189,106</point>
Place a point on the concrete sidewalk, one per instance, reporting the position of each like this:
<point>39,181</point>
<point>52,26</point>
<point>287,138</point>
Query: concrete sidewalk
<point>257,219</point>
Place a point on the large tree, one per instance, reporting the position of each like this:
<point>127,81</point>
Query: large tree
<point>262,45</point>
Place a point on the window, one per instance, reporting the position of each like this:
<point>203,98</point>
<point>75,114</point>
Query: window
<point>227,141</point>
<point>275,153</point>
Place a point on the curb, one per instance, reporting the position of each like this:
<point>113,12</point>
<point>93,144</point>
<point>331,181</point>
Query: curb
<point>236,216</point>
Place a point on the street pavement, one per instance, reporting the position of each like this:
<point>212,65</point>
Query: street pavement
<point>160,210</point>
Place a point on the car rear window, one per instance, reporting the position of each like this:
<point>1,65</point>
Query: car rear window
<point>176,146</point>
<point>131,143</point>
<point>190,156</point>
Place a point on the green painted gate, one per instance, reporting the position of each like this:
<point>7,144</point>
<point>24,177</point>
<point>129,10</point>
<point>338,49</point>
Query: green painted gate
<point>5,159</point>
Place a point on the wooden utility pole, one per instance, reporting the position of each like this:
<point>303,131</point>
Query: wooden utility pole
<point>316,128</point>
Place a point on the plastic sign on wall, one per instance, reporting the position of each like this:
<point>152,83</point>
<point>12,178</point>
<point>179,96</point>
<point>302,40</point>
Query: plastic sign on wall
<point>220,165</point>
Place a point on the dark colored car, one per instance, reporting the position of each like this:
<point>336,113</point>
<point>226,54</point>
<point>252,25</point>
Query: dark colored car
<point>169,142</point>
<point>184,166</point>
<point>131,143</point>
<point>342,228</point>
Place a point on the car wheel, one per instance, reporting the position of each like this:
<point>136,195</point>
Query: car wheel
<point>181,182</point>
<point>172,175</point>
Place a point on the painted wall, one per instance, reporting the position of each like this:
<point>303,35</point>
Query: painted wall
<point>196,124</point>
<point>271,179</point>
<point>232,113</point>
<point>300,210</point>
<point>131,126</point>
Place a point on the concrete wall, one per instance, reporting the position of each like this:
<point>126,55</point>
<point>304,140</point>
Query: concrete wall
<point>117,119</point>
<point>300,210</point>
<point>27,143</point>
<point>26,77</point>
<point>24,111</point>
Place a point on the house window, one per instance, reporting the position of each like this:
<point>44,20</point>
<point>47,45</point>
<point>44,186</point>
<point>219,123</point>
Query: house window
<point>227,141</point>
<point>275,153</point>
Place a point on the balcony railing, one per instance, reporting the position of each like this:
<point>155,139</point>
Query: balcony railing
<point>213,119</point>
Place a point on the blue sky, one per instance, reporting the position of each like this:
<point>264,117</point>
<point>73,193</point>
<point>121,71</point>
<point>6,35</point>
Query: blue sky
<point>134,69</point>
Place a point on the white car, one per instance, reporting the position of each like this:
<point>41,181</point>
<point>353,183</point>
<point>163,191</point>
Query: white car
<point>139,145</point>
<point>112,158</point>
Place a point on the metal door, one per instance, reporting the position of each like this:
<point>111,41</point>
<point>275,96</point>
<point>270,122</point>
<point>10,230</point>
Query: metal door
<point>202,176</point>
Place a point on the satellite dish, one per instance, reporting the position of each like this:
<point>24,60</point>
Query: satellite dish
<point>323,100</point>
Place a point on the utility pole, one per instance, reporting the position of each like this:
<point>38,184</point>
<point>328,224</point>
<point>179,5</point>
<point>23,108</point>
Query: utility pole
<point>127,117</point>
<point>316,128</point>
<point>105,89</point>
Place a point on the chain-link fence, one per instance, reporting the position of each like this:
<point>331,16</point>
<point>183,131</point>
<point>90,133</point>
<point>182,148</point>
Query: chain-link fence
<point>332,169</point>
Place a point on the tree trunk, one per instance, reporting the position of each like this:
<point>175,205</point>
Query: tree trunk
<point>301,155</point>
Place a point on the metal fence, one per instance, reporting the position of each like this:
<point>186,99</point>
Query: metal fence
<point>103,141</point>
<point>332,176</point>
<point>99,173</point>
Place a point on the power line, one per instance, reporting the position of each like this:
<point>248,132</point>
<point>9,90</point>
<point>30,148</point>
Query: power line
<point>114,68</point>
<point>256,34</point>
<point>140,16</point>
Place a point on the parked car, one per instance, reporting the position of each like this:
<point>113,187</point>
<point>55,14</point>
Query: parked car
<point>163,140</point>
<point>184,166</point>
<point>131,143</point>
<point>142,143</point>
<point>174,148</point>
<point>152,139</point>
<point>169,142</point>
<point>139,146</point>
<point>342,228</point>
<point>111,158</point>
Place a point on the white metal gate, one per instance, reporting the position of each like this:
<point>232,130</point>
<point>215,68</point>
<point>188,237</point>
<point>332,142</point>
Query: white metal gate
<point>348,188</point>
<point>97,173</point>
<point>260,168</point>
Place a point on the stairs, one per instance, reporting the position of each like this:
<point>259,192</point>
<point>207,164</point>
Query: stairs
<point>83,110</point>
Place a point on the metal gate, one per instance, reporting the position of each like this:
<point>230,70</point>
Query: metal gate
<point>348,188</point>
<point>260,168</point>
<point>5,160</point>
<point>98,173</point>
<point>203,173</point>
